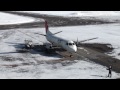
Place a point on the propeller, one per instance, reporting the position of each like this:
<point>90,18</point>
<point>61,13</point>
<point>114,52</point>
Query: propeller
<point>77,42</point>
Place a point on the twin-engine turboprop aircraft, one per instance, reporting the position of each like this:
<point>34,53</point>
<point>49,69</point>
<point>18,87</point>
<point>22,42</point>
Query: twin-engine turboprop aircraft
<point>68,45</point>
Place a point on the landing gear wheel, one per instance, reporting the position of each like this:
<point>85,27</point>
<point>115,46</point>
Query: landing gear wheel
<point>71,55</point>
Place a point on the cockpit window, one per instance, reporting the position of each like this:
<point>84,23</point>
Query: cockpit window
<point>70,44</point>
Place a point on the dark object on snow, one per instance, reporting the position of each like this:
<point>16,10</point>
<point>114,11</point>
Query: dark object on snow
<point>110,71</point>
<point>119,54</point>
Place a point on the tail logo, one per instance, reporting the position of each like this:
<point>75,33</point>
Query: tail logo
<point>46,26</point>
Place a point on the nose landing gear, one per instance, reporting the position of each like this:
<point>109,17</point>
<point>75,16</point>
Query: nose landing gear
<point>71,55</point>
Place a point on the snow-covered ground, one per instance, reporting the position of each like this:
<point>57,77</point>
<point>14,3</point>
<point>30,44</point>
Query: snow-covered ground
<point>107,33</point>
<point>6,19</point>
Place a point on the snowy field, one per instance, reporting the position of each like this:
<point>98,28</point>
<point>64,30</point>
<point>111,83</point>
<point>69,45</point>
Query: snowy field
<point>108,33</point>
<point>6,19</point>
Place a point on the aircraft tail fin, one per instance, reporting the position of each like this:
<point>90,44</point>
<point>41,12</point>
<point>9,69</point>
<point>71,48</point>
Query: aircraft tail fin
<point>46,26</point>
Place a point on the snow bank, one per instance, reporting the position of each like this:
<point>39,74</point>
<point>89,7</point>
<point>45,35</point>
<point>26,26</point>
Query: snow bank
<point>13,19</point>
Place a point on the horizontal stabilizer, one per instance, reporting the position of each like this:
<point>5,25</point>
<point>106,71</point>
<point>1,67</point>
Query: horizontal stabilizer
<point>29,36</point>
<point>57,32</point>
<point>42,34</point>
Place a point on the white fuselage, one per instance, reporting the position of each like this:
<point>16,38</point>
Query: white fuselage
<point>65,44</point>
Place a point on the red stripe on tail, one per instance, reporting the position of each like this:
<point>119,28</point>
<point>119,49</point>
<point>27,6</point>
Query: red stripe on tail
<point>46,26</point>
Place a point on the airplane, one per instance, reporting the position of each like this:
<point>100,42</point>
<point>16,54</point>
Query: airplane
<point>68,45</point>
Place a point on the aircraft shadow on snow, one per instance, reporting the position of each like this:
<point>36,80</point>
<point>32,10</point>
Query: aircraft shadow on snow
<point>37,49</point>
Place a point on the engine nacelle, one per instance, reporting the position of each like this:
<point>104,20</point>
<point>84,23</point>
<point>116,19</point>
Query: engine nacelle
<point>28,44</point>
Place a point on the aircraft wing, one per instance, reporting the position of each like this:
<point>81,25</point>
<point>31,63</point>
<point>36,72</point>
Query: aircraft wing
<point>14,43</point>
<point>79,42</point>
<point>88,39</point>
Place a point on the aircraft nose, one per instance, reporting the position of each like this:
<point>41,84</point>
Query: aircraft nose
<point>74,49</point>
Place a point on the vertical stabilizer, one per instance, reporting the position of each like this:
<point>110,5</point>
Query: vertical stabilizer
<point>46,26</point>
